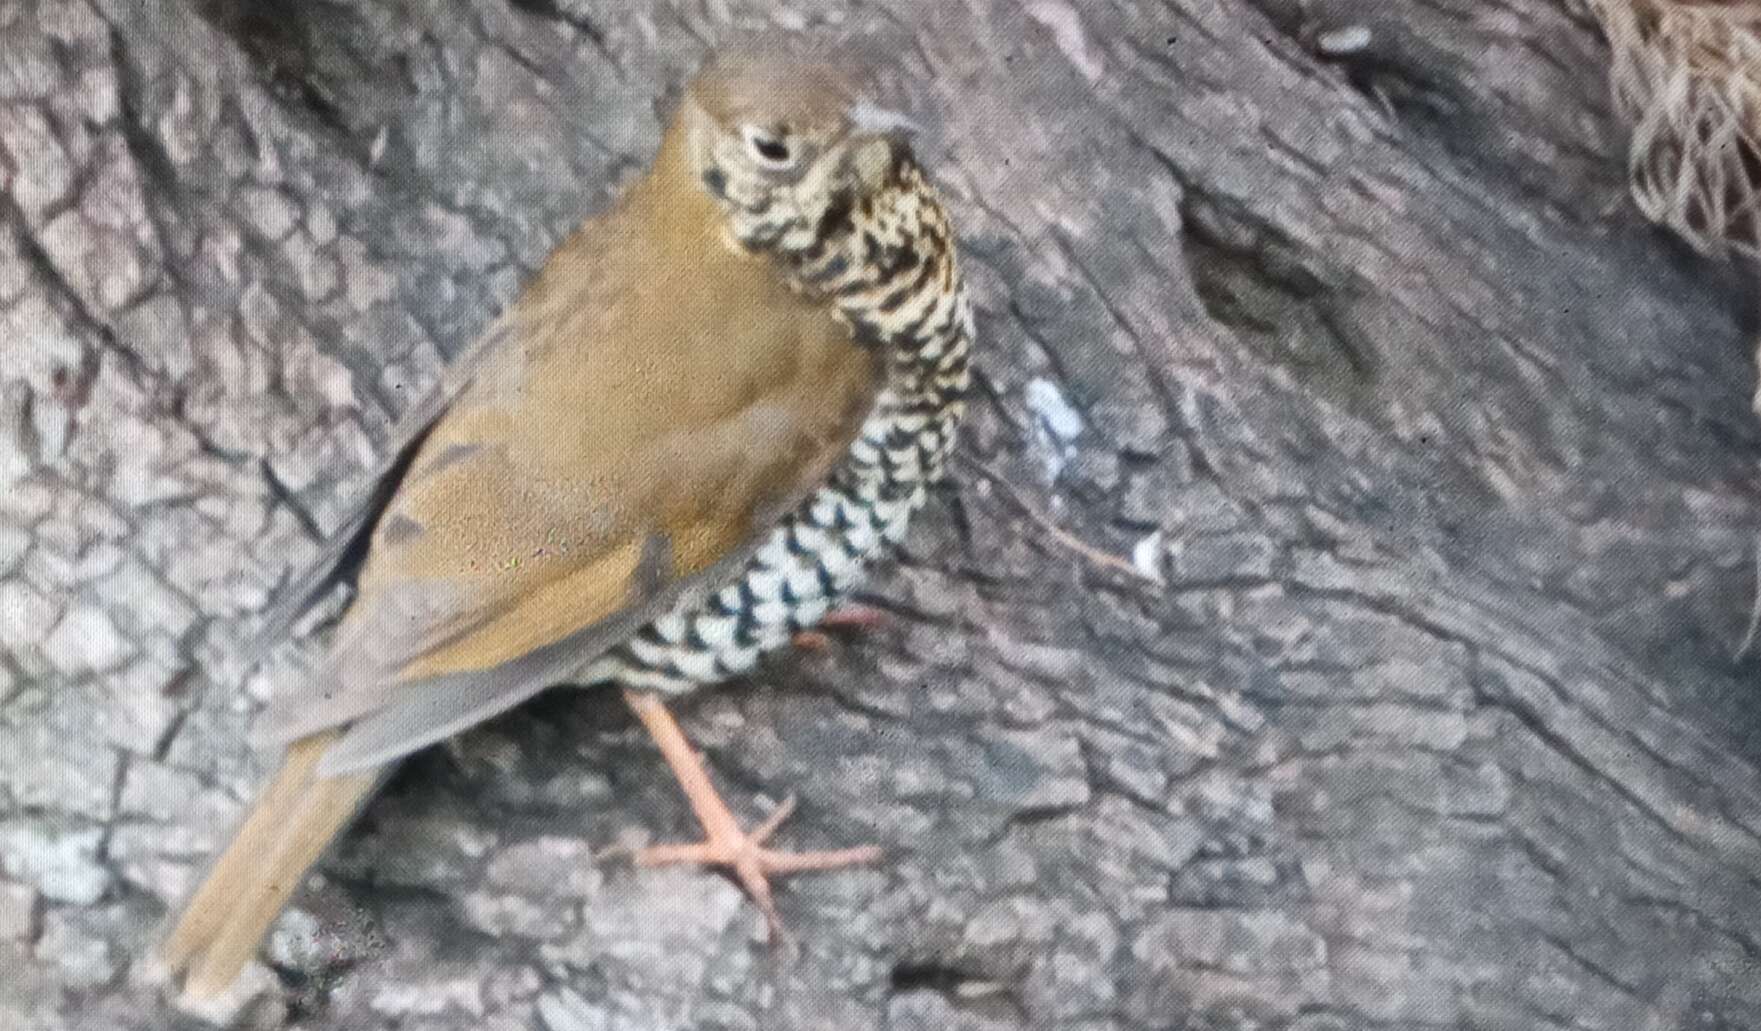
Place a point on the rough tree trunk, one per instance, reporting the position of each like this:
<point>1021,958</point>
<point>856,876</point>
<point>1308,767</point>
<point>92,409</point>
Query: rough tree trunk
<point>1433,719</point>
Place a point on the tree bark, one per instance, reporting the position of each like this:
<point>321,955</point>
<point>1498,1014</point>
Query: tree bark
<point>1331,623</point>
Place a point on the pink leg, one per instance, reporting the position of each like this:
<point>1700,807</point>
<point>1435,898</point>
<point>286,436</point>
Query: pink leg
<point>725,844</point>
<point>852,616</point>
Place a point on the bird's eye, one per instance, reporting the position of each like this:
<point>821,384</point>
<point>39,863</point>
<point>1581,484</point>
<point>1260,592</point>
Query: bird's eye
<point>770,150</point>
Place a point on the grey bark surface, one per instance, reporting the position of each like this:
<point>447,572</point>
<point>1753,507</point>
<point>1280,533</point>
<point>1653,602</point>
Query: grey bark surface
<point>1442,456</point>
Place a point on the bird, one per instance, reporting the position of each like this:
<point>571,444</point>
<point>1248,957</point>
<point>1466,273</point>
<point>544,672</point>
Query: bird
<point>707,415</point>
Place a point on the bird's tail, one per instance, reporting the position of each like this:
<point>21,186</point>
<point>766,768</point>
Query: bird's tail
<point>291,824</point>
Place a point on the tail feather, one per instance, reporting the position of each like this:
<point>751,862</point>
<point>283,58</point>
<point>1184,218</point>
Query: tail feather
<point>291,824</point>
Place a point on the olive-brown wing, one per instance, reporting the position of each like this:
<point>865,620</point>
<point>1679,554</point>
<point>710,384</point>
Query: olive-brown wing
<point>627,442</point>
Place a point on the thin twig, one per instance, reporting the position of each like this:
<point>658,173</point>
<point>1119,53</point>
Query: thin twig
<point>1058,533</point>
<point>1754,611</point>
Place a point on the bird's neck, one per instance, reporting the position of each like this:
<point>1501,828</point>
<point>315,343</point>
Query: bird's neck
<point>886,263</point>
<point>674,196</point>
<point>888,266</point>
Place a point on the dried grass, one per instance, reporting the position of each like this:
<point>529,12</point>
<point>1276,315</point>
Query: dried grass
<point>1687,74</point>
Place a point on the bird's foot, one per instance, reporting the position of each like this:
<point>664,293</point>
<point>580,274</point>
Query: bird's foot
<point>743,852</point>
<point>725,844</point>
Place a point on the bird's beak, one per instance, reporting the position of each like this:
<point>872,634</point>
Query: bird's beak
<point>868,120</point>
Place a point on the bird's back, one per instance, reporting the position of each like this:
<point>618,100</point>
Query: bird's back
<point>657,399</point>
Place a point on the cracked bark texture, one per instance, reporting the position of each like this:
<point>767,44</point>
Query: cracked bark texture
<point>1442,455</point>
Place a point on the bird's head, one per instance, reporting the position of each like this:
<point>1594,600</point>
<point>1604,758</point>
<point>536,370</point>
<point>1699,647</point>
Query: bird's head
<point>781,141</point>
